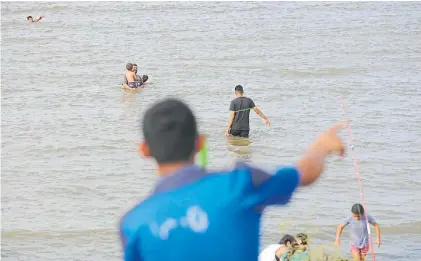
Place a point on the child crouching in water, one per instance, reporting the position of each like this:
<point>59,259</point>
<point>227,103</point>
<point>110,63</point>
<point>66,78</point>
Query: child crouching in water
<point>298,250</point>
<point>359,245</point>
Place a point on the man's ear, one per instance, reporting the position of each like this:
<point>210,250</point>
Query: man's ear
<point>200,143</point>
<point>143,149</point>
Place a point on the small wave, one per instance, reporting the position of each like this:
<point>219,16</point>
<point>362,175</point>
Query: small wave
<point>25,8</point>
<point>80,148</point>
<point>320,72</point>
<point>56,233</point>
<point>406,228</point>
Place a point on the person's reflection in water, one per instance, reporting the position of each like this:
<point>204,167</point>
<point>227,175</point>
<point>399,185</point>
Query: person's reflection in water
<point>129,104</point>
<point>240,146</point>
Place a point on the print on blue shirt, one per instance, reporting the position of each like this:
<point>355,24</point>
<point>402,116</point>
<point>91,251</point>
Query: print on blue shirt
<point>196,215</point>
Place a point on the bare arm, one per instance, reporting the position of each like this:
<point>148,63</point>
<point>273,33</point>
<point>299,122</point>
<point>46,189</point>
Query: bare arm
<point>231,118</point>
<point>260,113</point>
<point>377,227</point>
<point>278,188</point>
<point>339,233</point>
<point>39,18</point>
<point>311,165</point>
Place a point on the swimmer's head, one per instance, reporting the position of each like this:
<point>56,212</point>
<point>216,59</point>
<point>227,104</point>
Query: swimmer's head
<point>287,240</point>
<point>129,66</point>
<point>135,67</point>
<point>170,133</point>
<point>357,211</point>
<point>30,19</point>
<point>239,90</point>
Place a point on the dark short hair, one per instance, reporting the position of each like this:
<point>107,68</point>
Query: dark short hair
<point>285,239</point>
<point>129,66</point>
<point>135,64</point>
<point>239,88</point>
<point>27,18</point>
<point>170,131</point>
<point>357,209</point>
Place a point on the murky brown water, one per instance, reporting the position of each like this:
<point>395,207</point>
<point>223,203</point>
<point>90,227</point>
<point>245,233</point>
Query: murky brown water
<point>69,163</point>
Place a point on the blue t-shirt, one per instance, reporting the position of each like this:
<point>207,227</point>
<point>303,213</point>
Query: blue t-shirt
<point>358,230</point>
<point>197,215</point>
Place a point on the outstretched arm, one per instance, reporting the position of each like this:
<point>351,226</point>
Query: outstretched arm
<point>39,18</point>
<point>311,165</point>
<point>277,189</point>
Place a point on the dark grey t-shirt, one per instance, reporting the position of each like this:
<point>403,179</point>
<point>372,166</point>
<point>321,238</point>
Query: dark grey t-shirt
<point>241,106</point>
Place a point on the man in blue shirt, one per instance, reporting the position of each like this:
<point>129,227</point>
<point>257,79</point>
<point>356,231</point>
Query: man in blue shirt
<point>196,215</point>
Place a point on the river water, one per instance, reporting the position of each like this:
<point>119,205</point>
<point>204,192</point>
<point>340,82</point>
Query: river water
<point>69,163</point>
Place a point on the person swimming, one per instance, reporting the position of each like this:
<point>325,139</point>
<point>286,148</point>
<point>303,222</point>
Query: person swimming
<point>32,20</point>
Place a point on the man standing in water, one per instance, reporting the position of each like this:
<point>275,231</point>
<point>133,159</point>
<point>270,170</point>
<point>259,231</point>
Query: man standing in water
<point>139,80</point>
<point>239,119</point>
<point>193,214</point>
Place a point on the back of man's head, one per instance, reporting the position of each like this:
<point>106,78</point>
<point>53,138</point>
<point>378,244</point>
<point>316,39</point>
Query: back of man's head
<point>170,131</point>
<point>239,89</point>
<point>285,239</point>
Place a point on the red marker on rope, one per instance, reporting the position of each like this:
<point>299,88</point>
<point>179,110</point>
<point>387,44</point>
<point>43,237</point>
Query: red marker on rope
<point>358,178</point>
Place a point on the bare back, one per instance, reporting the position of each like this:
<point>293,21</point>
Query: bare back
<point>130,76</point>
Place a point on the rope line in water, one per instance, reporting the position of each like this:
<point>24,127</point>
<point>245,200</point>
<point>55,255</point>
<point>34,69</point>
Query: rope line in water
<point>358,178</point>
<point>248,109</point>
